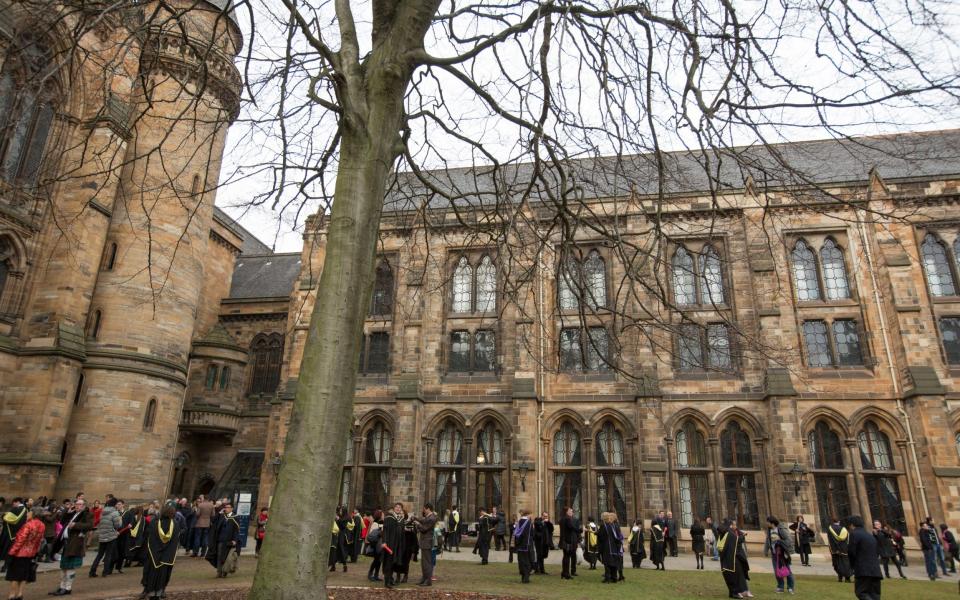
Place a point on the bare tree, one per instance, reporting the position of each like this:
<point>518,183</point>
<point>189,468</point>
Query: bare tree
<point>529,95</point>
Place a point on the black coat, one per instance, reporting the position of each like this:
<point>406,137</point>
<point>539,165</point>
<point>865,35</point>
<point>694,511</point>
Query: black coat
<point>392,535</point>
<point>885,544</point>
<point>569,534</point>
<point>863,553</point>
<point>227,529</point>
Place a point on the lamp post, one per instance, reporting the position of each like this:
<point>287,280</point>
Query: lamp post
<point>276,462</point>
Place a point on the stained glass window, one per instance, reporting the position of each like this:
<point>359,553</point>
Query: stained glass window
<point>937,268</point>
<point>818,346</point>
<point>834,271</point>
<point>805,272</point>
<point>684,288</point>
<point>462,287</point>
<point>711,277</point>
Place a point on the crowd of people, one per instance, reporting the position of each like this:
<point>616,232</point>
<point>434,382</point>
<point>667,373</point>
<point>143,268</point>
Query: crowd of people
<point>144,536</point>
<point>148,536</point>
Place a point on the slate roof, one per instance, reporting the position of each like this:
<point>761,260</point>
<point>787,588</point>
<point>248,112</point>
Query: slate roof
<point>820,162</point>
<point>265,276</point>
<point>251,244</point>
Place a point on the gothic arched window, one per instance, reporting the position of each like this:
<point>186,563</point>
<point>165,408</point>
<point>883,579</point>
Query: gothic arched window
<point>489,466</point>
<point>826,452</point>
<point>566,447</point>
<point>937,267</point>
<point>267,359</point>
<point>609,446</point>
<point>27,95</point>
<point>567,470</point>
<point>211,377</point>
<point>684,278</point>
<point>381,303</point>
<point>379,444</point>
<point>150,415</point>
<point>883,490</point>
<point>826,459</point>
<point>834,271</point>
<point>378,447</point>
<point>875,453</point>
<point>711,277</point>
<point>739,477</point>
<point>490,445</point>
<point>450,484</point>
<point>805,272</point>
<point>610,475</point>
<point>595,280</point>
<point>462,287</point>
<point>691,447</point>
<point>450,445</point>
<point>692,471</point>
<point>224,378</point>
<point>486,285</point>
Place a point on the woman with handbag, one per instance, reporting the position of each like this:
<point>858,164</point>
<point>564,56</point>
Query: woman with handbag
<point>261,528</point>
<point>22,557</point>
<point>778,547</point>
<point>373,545</point>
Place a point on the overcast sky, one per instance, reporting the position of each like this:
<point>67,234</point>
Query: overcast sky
<point>249,142</point>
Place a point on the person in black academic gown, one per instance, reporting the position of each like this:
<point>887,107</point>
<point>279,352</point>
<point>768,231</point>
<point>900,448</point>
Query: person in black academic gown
<point>543,537</point>
<point>411,545</point>
<point>392,542</point>
<point>658,545</point>
<point>357,536</point>
<point>733,560</point>
<point>12,521</point>
<point>484,534</point>
<point>610,540</point>
<point>524,545</point>
<point>340,540</point>
<point>134,525</point>
<point>837,537</point>
<point>591,551</point>
<point>162,539</point>
<point>224,539</point>
<point>635,542</point>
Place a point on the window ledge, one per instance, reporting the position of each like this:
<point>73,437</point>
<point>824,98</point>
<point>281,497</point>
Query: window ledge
<point>845,303</point>
<point>945,299</point>
<point>699,375</point>
<point>372,379</point>
<point>492,316</point>
<point>841,372</point>
<point>589,376</point>
<point>694,308</point>
<point>470,378</point>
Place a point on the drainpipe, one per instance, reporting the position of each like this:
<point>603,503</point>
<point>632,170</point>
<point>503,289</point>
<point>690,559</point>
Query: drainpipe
<point>878,299</point>
<point>541,271</point>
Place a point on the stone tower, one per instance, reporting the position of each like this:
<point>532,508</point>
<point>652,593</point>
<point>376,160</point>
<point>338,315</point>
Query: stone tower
<point>123,429</point>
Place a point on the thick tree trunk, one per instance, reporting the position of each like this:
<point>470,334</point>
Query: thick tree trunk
<point>293,564</point>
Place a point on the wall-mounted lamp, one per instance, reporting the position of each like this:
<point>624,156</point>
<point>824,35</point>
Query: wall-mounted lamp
<point>276,462</point>
<point>796,472</point>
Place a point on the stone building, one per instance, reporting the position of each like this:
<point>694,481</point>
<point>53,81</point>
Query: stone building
<point>802,360</point>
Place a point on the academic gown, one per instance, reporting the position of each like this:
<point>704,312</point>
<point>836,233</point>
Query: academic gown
<point>411,544</point>
<point>610,541</point>
<point>657,544</point>
<point>484,531</point>
<point>162,540</point>
<point>591,550</point>
<point>227,530</point>
<point>839,538</point>
<point>357,538</point>
<point>13,520</point>
<point>136,541</point>
<point>544,540</point>
<point>339,542</point>
<point>391,545</point>
<point>635,542</point>
<point>733,562</point>
<point>525,548</point>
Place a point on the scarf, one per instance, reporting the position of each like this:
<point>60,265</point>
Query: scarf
<point>66,530</point>
<point>840,537</point>
<point>165,536</point>
<point>136,528</point>
<point>11,517</point>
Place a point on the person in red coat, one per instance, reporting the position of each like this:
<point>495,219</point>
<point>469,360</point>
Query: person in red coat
<point>261,527</point>
<point>23,552</point>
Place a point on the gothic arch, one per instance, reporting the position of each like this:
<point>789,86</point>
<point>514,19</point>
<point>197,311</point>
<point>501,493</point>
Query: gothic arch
<point>884,420</point>
<point>436,423</point>
<point>477,421</point>
<point>836,421</point>
<point>753,425</point>
<point>557,419</point>
<point>370,418</point>
<point>684,414</point>
<point>614,416</point>
<point>19,256</point>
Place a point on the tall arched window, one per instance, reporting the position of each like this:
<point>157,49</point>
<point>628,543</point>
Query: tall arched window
<point>595,280</point>
<point>956,441</point>
<point>211,377</point>
<point>567,470</point>
<point>684,278</point>
<point>834,271</point>
<point>805,272</point>
<point>224,378</point>
<point>739,475</point>
<point>486,285</point>
<point>711,277</point>
<point>692,469</point>
<point>450,467</point>
<point>150,415</point>
<point>378,447</point>
<point>267,359</point>
<point>462,287</point>
<point>568,289</point>
<point>610,472</point>
<point>7,258</point>
<point>381,303</point>
<point>829,474</point>
<point>883,491</point>
<point>937,267</point>
<point>489,466</point>
<point>27,95</point>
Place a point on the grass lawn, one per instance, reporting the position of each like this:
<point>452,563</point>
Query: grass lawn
<point>504,579</point>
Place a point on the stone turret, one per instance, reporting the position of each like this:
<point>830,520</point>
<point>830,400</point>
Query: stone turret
<point>123,433</point>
